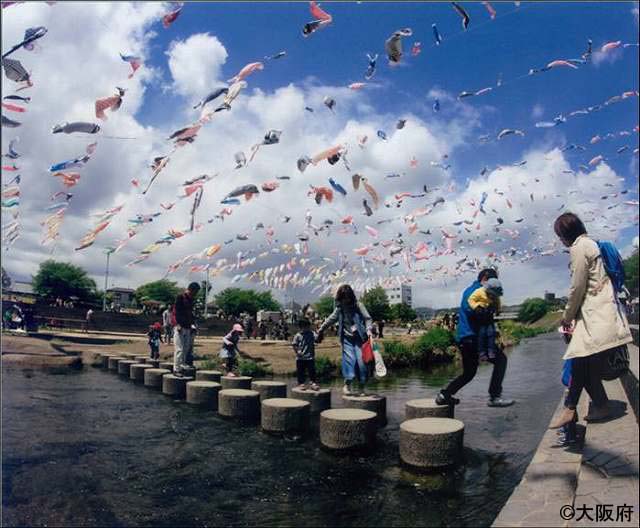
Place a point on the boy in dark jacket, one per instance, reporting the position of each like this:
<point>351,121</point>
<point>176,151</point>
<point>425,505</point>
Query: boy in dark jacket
<point>304,346</point>
<point>154,340</point>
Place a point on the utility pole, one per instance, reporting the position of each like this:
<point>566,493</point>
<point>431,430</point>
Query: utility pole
<point>206,290</point>
<point>106,281</point>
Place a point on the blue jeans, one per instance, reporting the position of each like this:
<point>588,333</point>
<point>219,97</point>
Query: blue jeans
<point>352,359</point>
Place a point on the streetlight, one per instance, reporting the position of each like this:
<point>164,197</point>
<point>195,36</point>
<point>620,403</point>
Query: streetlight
<point>106,280</point>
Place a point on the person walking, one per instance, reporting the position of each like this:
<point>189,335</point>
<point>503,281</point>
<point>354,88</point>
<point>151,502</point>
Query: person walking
<point>381,328</point>
<point>354,329</point>
<point>88,320</point>
<point>599,321</point>
<point>467,338</point>
<point>166,324</point>
<point>184,329</point>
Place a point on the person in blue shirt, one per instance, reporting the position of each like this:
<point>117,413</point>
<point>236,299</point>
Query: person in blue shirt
<point>467,338</point>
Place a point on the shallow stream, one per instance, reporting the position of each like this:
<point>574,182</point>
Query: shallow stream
<point>89,448</point>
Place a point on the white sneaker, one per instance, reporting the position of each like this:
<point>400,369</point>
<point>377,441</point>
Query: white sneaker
<point>346,389</point>
<point>500,402</point>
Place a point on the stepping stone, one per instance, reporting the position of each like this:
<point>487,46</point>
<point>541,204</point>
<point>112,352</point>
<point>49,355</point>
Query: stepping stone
<point>370,402</point>
<point>320,400</point>
<point>427,408</point>
<point>175,386</point>
<point>285,415</point>
<point>155,363</point>
<point>124,366</point>
<point>239,403</point>
<point>166,365</point>
<point>141,359</point>
<point>208,375</point>
<point>113,362</point>
<point>204,393</point>
<point>270,389</point>
<point>343,429</point>
<point>237,382</point>
<point>136,371</point>
<point>105,360</point>
<point>431,442</point>
<point>153,377</point>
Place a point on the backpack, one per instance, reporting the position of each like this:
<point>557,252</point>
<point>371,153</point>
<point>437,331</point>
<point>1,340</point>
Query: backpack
<point>172,316</point>
<point>612,264</point>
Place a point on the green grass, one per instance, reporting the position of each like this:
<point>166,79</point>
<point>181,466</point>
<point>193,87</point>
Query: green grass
<point>514,332</point>
<point>248,367</point>
<point>434,346</point>
<point>325,367</point>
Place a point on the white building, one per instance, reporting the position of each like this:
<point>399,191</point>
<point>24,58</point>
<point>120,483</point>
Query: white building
<point>399,294</point>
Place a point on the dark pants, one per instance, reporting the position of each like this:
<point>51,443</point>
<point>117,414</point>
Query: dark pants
<point>155,351</point>
<point>470,359</point>
<point>586,374</point>
<point>231,362</point>
<point>308,365</point>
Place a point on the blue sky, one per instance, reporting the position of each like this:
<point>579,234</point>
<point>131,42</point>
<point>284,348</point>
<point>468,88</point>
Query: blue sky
<point>160,96</point>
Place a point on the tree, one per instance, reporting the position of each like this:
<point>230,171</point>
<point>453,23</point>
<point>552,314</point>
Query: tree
<point>6,280</point>
<point>61,279</point>
<point>234,301</point>
<point>403,312</point>
<point>377,303</point>
<point>532,309</point>
<point>163,291</point>
<point>631,273</point>
<point>324,306</point>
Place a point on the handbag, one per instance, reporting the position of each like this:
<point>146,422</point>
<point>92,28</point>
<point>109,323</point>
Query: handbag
<point>615,362</point>
<point>380,368</point>
<point>367,352</point>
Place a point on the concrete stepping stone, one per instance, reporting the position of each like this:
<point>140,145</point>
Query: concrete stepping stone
<point>141,359</point>
<point>431,442</point>
<point>342,429</point>
<point>136,371</point>
<point>284,415</point>
<point>155,363</point>
<point>427,408</point>
<point>105,360</point>
<point>124,366</point>
<point>270,389</point>
<point>208,375</point>
<point>239,403</point>
<point>175,386</point>
<point>203,393</point>
<point>153,377</point>
<point>370,402</point>
<point>237,382</point>
<point>113,362</point>
<point>320,400</point>
<point>166,365</point>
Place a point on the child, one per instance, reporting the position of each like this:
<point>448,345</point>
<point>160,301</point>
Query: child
<point>230,347</point>
<point>304,346</point>
<point>485,302</point>
<point>154,340</point>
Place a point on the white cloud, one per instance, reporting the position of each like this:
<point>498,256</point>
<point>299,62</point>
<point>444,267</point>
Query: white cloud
<point>196,64</point>
<point>537,111</point>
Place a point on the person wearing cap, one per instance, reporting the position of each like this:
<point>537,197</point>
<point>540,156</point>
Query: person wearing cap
<point>230,347</point>
<point>184,330</point>
<point>485,302</point>
<point>467,339</point>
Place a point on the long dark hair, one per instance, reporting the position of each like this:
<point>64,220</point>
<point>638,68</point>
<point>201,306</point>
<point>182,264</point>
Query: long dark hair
<point>568,227</point>
<point>346,297</point>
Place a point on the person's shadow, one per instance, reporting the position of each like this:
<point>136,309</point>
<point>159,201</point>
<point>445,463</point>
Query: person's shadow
<point>617,409</point>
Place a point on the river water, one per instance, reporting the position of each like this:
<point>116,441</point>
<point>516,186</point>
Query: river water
<point>89,448</point>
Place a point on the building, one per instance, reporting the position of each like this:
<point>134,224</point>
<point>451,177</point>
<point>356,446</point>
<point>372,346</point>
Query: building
<point>425,313</point>
<point>549,296</point>
<point>19,291</point>
<point>122,297</point>
<point>399,294</point>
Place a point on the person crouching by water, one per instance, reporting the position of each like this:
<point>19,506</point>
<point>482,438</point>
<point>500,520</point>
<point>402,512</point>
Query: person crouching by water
<point>600,324</point>
<point>354,328</point>
<point>184,329</point>
<point>230,348</point>
<point>305,348</point>
<point>154,340</point>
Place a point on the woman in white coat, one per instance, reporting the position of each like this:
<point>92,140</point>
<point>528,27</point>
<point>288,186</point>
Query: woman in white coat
<point>600,321</point>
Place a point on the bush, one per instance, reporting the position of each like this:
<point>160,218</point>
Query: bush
<point>436,338</point>
<point>515,332</point>
<point>325,367</point>
<point>248,367</point>
<point>211,364</point>
<point>398,354</point>
<point>532,309</point>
